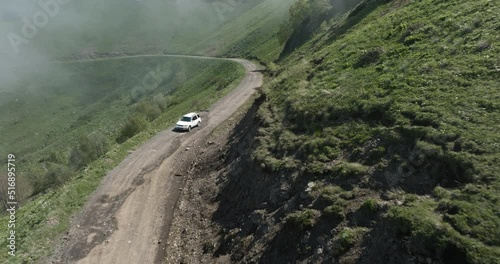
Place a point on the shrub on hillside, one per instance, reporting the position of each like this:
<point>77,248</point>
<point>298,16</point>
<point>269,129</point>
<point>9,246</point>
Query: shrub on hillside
<point>56,175</point>
<point>370,205</point>
<point>350,169</point>
<point>221,84</point>
<point>346,239</point>
<point>369,57</point>
<point>90,147</point>
<point>334,211</point>
<point>134,125</point>
<point>302,220</point>
<point>57,156</point>
<point>151,111</point>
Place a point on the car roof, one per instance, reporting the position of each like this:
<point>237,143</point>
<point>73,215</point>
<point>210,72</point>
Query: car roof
<point>190,114</point>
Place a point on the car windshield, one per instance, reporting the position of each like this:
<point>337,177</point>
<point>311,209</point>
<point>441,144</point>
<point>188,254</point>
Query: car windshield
<point>186,119</point>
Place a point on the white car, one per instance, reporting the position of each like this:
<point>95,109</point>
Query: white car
<point>188,121</point>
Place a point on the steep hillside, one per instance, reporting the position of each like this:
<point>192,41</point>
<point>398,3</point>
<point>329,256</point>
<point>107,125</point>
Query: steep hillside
<point>374,142</point>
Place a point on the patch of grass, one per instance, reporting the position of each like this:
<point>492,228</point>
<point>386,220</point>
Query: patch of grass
<point>428,231</point>
<point>330,193</point>
<point>349,169</point>
<point>334,211</point>
<point>302,220</point>
<point>370,205</point>
<point>346,239</point>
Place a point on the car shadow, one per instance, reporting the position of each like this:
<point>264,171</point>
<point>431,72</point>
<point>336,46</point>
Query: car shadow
<point>179,131</point>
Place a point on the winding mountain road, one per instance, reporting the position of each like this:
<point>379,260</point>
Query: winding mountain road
<point>127,219</point>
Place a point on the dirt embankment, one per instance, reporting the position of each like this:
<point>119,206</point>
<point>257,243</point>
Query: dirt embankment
<point>233,210</point>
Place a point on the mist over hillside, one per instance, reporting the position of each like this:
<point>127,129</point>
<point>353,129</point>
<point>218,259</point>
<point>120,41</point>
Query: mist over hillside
<point>49,30</point>
<point>61,27</point>
<point>57,81</point>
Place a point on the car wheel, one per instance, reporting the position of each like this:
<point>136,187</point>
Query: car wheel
<point>189,128</point>
<point>199,123</point>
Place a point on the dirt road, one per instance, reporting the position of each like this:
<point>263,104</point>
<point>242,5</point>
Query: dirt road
<point>127,218</point>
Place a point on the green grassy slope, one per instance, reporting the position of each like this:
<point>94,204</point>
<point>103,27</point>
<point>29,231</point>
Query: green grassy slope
<point>84,98</point>
<point>397,103</point>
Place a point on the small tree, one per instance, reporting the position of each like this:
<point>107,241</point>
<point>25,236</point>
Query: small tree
<point>57,156</point>
<point>36,174</point>
<point>134,125</point>
<point>151,111</point>
<point>90,147</point>
<point>57,175</point>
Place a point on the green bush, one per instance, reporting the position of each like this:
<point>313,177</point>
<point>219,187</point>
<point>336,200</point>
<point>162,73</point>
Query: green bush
<point>346,239</point>
<point>57,156</point>
<point>56,175</point>
<point>369,57</point>
<point>220,83</point>
<point>36,175</point>
<point>44,176</point>
<point>350,169</point>
<point>334,211</point>
<point>134,125</point>
<point>90,147</point>
<point>302,220</point>
<point>330,193</point>
<point>150,110</point>
<point>370,205</point>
